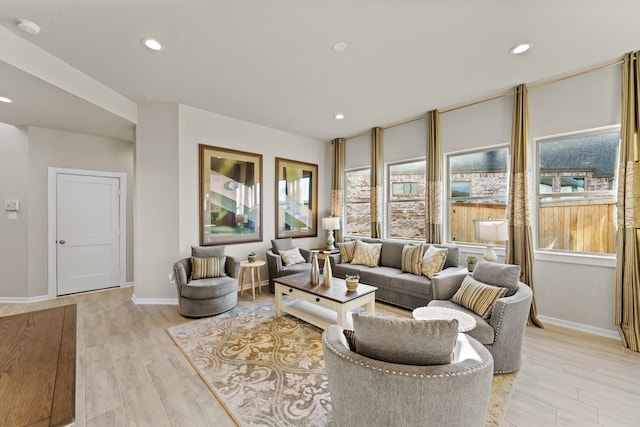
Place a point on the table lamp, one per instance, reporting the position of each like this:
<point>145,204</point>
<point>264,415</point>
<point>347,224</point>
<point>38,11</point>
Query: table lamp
<point>331,223</point>
<point>490,230</point>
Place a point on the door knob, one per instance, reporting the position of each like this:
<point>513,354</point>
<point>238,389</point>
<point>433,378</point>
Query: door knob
<point>62,242</point>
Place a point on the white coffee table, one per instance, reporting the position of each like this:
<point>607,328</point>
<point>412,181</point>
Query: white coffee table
<point>465,321</point>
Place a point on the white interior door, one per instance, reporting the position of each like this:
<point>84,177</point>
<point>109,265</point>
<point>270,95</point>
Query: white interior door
<point>87,233</point>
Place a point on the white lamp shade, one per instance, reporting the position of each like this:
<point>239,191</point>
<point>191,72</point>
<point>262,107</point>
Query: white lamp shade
<point>490,230</point>
<point>331,223</point>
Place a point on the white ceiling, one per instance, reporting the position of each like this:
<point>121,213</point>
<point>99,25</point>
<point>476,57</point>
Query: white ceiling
<point>271,62</point>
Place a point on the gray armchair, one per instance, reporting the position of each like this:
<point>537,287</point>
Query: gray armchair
<point>206,297</point>
<point>274,261</point>
<point>366,391</point>
<point>502,333</point>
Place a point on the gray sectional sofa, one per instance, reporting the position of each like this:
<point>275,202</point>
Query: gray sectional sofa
<point>394,286</point>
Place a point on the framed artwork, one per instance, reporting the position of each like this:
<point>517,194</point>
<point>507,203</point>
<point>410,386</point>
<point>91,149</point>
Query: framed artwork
<point>230,196</point>
<point>296,199</point>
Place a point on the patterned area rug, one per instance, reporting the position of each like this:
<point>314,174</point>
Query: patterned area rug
<point>270,372</point>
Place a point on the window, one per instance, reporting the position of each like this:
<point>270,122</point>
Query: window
<point>405,210</point>
<point>358,202</point>
<point>478,184</point>
<point>576,192</point>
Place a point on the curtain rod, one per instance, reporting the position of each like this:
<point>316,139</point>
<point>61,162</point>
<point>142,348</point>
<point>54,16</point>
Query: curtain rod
<point>500,95</point>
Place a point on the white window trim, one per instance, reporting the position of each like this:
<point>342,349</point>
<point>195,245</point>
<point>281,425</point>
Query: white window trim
<point>446,220</point>
<point>566,257</point>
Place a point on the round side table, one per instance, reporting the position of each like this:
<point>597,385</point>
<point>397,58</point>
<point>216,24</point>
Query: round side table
<point>253,268</point>
<point>465,321</point>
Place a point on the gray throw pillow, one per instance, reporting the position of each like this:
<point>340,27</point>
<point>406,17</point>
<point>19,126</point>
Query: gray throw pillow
<point>278,245</point>
<point>496,274</point>
<point>405,341</point>
<point>207,251</point>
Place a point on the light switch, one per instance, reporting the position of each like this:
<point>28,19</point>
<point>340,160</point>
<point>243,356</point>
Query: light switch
<point>12,215</point>
<point>11,205</point>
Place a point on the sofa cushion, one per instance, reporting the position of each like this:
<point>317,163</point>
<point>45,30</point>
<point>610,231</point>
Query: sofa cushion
<point>477,296</point>
<point>209,288</point>
<point>411,259</point>
<point>413,284</point>
<point>207,251</point>
<point>346,250</point>
<point>405,341</point>
<point>378,276</point>
<point>453,255</point>
<point>433,260</point>
<point>496,274</point>
<point>205,268</point>
<point>391,254</point>
<point>292,256</point>
<point>278,245</point>
<point>367,254</point>
<point>483,331</point>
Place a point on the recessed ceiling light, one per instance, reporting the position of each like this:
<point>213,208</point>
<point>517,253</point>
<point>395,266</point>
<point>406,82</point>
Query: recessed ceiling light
<point>521,48</point>
<point>339,116</point>
<point>340,47</point>
<point>28,26</point>
<point>153,44</point>
<point>5,99</point>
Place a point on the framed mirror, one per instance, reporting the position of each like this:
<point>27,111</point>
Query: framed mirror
<point>230,196</point>
<point>296,199</point>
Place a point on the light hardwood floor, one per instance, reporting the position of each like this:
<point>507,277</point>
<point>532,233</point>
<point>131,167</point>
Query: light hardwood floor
<point>129,372</point>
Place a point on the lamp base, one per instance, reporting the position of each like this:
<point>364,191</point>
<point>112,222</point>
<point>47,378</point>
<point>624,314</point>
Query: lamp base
<point>490,254</point>
<point>330,241</point>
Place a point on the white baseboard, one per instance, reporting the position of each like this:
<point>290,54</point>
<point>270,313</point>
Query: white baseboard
<point>20,300</point>
<point>128,285</point>
<point>580,327</point>
<point>154,301</point>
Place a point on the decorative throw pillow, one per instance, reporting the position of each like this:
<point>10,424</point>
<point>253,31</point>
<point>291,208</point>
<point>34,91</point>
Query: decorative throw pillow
<point>433,260</point>
<point>206,268</point>
<point>346,250</point>
<point>351,338</point>
<point>496,274</point>
<point>405,341</point>
<point>207,251</point>
<point>367,254</point>
<point>477,296</point>
<point>412,259</point>
<point>292,256</point>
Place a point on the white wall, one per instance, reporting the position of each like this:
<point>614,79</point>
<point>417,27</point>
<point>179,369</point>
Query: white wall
<point>408,141</point>
<point>202,127</point>
<point>156,212</point>
<point>14,173</point>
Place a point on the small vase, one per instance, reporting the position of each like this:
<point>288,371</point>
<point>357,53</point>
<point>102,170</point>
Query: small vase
<point>251,258</point>
<point>471,267</point>
<point>327,273</point>
<point>315,269</point>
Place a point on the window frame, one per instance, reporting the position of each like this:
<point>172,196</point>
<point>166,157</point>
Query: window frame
<point>388,195</point>
<point>448,199</point>
<point>561,255</point>
<point>346,201</point>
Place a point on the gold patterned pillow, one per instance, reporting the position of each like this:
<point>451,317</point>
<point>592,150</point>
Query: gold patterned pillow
<point>433,260</point>
<point>412,259</point>
<point>477,296</point>
<point>206,268</point>
<point>346,250</point>
<point>366,254</point>
<point>292,256</point>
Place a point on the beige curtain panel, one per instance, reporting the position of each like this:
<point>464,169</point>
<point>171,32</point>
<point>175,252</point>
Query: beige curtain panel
<point>377,174</point>
<point>627,310</point>
<point>433,193</point>
<point>519,245</point>
<point>337,182</point>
